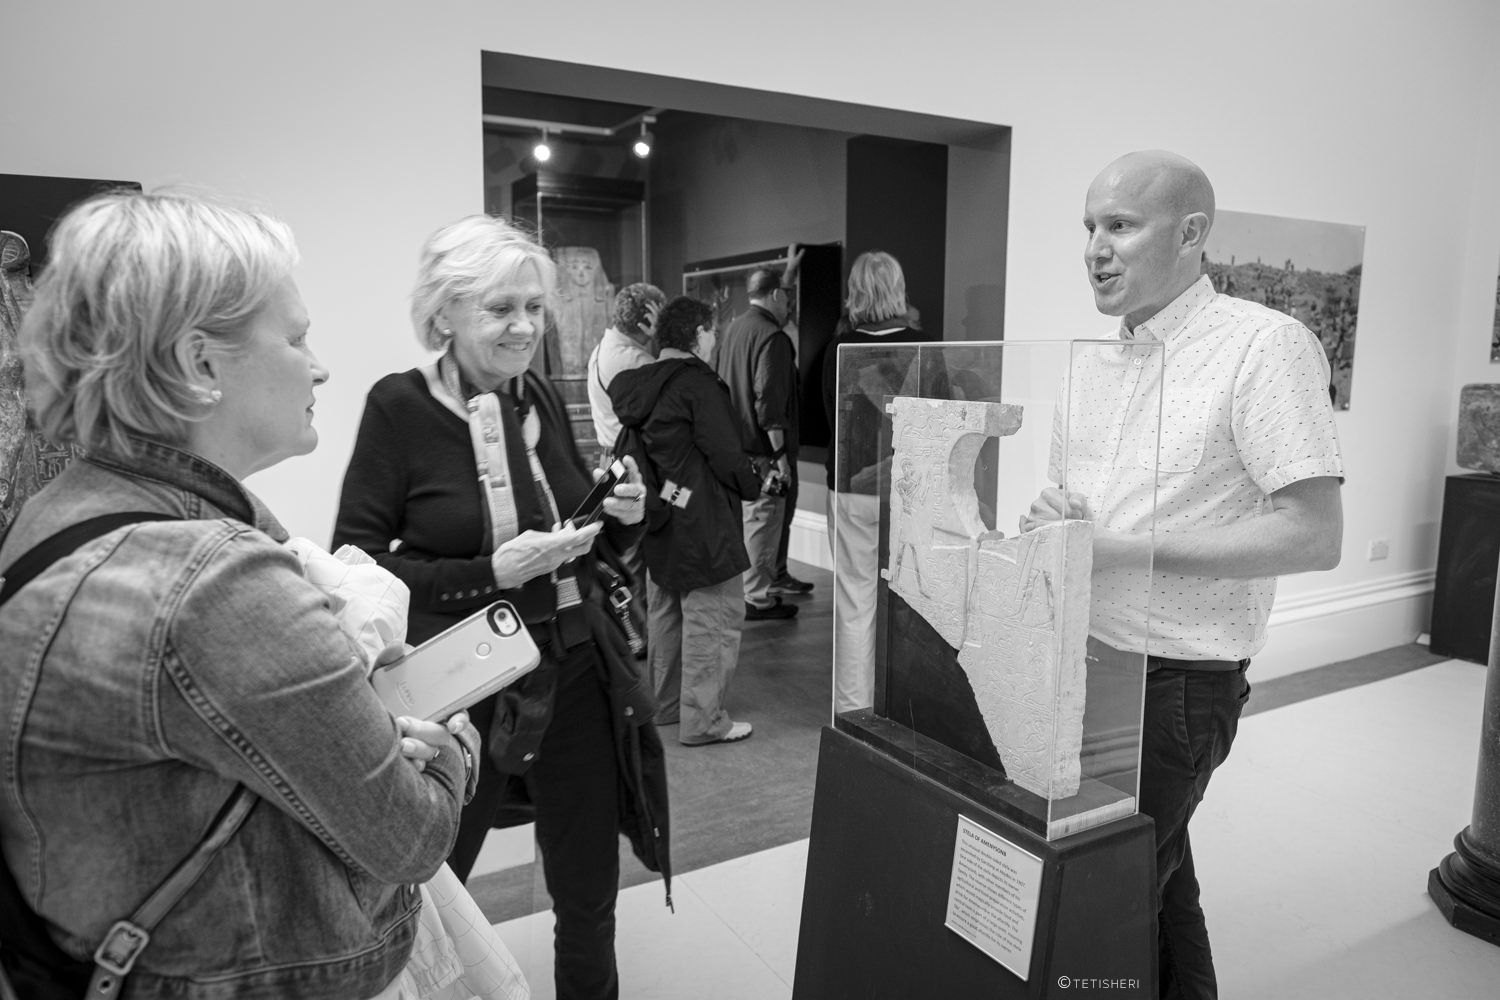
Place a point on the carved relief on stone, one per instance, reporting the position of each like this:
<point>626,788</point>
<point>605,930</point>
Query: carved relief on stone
<point>1016,609</point>
<point>27,460</point>
<point>1025,651</point>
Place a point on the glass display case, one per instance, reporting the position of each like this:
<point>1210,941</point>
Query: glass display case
<point>980,633</point>
<point>596,229</point>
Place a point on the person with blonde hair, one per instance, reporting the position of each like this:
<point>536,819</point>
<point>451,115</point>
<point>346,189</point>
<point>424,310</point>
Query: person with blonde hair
<point>570,744</point>
<point>181,666</point>
<point>877,315</point>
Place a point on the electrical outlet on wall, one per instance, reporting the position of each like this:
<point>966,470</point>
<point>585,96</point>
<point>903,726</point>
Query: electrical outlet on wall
<point>1380,548</point>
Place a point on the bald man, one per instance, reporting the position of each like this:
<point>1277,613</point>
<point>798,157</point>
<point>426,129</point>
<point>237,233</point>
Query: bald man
<point>1245,488</point>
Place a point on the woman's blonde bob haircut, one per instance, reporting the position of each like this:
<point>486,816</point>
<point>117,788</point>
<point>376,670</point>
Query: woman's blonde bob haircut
<point>465,260</point>
<point>136,288</point>
<point>877,289</point>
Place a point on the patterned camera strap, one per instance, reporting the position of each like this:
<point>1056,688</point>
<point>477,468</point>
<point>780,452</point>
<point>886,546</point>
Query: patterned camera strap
<point>492,458</point>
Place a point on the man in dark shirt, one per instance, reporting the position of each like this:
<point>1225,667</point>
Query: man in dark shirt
<point>759,363</point>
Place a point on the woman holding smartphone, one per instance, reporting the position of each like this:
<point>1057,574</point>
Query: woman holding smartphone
<point>411,501</point>
<point>152,673</point>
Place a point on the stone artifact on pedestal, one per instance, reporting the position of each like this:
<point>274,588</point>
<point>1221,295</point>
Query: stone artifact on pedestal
<point>1015,610</point>
<point>1479,427</point>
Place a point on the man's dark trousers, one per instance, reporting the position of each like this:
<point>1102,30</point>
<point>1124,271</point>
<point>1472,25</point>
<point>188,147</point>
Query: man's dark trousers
<point>786,522</point>
<point>1191,716</point>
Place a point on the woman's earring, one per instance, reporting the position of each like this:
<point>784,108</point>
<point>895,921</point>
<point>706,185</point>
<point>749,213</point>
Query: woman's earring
<point>208,397</point>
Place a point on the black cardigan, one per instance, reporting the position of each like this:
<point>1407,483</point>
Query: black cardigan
<point>412,478</point>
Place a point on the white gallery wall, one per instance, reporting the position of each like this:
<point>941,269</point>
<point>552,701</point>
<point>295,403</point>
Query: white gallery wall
<point>359,123</point>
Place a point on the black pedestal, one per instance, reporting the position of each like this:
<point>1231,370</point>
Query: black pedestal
<point>1466,885</point>
<point>1466,888</point>
<point>878,872</point>
<point>1468,552</point>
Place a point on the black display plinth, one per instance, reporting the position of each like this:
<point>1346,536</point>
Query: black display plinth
<point>1468,550</point>
<point>879,866</point>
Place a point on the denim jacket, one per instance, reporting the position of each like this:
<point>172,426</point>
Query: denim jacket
<point>146,674</point>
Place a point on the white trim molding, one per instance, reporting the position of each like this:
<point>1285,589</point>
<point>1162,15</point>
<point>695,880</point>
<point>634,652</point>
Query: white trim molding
<point>1319,627</point>
<point>809,541</point>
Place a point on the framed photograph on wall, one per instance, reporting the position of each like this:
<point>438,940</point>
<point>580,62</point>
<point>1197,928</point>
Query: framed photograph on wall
<point>1308,270</point>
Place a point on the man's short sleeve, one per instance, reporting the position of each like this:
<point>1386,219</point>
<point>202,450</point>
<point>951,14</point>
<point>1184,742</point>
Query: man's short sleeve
<point>1283,416</point>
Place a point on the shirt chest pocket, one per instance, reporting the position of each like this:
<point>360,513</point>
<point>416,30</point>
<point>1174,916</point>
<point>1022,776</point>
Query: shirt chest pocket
<point>1184,432</point>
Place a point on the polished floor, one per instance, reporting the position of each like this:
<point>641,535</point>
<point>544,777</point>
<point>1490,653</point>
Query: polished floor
<point>1345,787</point>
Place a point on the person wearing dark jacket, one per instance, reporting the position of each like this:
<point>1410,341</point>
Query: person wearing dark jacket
<point>568,740</point>
<point>758,361</point>
<point>694,550</point>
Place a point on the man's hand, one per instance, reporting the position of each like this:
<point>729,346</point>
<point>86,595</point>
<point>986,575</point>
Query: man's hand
<point>793,265</point>
<point>1055,505</point>
<point>653,316</point>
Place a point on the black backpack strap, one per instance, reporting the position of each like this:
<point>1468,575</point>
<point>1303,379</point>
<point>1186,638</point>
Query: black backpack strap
<point>49,550</point>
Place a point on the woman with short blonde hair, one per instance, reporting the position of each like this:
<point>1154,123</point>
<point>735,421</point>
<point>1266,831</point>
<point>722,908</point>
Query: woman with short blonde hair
<point>877,289</point>
<point>196,666</point>
<point>137,287</point>
<point>463,260</point>
<point>880,327</point>
<point>562,745</point>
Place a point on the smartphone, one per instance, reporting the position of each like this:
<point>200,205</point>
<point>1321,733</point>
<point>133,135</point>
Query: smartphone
<point>593,505</point>
<point>459,666</point>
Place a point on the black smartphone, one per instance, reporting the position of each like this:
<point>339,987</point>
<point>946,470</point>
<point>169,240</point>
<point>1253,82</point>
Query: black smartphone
<point>593,505</point>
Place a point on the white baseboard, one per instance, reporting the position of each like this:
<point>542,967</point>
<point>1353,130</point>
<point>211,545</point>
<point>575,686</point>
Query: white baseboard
<point>1306,630</point>
<point>1319,627</point>
<point>809,541</point>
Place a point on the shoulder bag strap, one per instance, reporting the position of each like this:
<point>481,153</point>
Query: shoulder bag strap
<point>49,550</point>
<point>126,940</point>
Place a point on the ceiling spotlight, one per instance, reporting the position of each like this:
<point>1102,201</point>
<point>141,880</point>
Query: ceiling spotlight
<point>642,147</point>
<point>541,150</point>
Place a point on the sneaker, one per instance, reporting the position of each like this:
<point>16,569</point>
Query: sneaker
<point>787,586</point>
<point>774,611</point>
<point>738,731</point>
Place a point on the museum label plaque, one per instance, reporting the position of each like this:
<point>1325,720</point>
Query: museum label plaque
<point>992,895</point>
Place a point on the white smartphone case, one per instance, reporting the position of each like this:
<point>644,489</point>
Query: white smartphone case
<point>459,666</point>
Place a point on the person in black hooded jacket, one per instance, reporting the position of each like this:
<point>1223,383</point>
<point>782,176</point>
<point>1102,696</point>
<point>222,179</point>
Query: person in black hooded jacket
<point>695,549</point>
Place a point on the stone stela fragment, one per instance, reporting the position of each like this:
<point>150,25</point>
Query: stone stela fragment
<point>1015,609</point>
